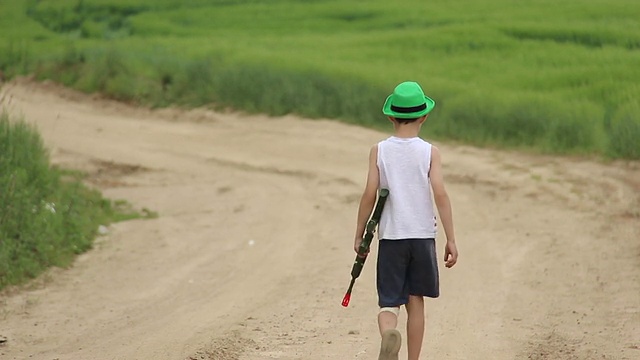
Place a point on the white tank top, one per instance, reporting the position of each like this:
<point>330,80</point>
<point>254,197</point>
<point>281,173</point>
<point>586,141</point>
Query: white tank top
<point>404,169</point>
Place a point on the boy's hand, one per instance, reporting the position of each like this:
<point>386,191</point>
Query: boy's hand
<point>450,254</point>
<point>356,245</point>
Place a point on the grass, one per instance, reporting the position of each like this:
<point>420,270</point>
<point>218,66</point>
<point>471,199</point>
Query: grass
<point>537,75</point>
<point>47,215</point>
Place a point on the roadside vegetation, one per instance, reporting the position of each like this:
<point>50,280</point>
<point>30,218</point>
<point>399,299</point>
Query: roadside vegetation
<point>541,75</point>
<point>47,214</point>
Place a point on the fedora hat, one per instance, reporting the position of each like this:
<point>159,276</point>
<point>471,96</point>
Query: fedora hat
<point>408,101</point>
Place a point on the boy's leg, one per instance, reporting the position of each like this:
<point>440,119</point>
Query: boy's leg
<point>393,291</point>
<point>388,319</point>
<point>415,326</point>
<point>423,281</point>
<point>391,339</point>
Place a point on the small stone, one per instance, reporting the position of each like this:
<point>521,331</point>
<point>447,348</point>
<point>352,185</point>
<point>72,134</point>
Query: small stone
<point>103,230</point>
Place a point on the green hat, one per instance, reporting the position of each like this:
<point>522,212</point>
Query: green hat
<point>408,101</point>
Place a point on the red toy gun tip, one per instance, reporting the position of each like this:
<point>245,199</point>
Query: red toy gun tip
<point>346,299</point>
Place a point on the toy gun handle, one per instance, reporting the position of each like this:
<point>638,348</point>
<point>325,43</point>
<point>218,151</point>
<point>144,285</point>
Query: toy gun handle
<point>368,236</point>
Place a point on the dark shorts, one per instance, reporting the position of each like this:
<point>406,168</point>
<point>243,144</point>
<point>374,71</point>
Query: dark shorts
<point>406,267</point>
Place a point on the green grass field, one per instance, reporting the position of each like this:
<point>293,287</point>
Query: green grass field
<point>559,77</point>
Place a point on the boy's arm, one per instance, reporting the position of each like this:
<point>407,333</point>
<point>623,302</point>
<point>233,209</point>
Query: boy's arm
<point>444,207</point>
<point>368,199</point>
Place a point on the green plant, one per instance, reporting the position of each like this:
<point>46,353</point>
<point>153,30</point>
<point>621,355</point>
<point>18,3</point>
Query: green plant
<point>47,215</point>
<point>624,133</point>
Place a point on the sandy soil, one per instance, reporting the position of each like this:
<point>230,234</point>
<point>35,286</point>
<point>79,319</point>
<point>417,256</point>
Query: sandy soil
<point>549,266</point>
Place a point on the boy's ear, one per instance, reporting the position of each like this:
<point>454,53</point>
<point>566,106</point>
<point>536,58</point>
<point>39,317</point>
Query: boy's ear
<point>424,118</point>
<point>392,119</point>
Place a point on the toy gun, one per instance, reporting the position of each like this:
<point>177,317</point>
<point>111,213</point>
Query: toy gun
<point>363,250</point>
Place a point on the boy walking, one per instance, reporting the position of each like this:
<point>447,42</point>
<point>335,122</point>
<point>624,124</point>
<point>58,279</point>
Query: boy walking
<point>407,268</point>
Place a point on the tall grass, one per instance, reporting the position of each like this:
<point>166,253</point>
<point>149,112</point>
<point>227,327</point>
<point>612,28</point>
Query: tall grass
<point>47,216</point>
<point>543,75</point>
<point>625,131</point>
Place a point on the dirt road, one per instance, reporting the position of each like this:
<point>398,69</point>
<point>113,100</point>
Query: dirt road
<point>251,252</point>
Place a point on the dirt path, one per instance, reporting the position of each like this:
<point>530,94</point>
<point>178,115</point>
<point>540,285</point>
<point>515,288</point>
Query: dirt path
<point>550,247</point>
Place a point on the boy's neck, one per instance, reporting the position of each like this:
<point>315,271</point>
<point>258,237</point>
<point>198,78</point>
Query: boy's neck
<point>407,130</point>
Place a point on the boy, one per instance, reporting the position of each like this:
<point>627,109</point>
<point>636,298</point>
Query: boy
<point>407,268</point>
